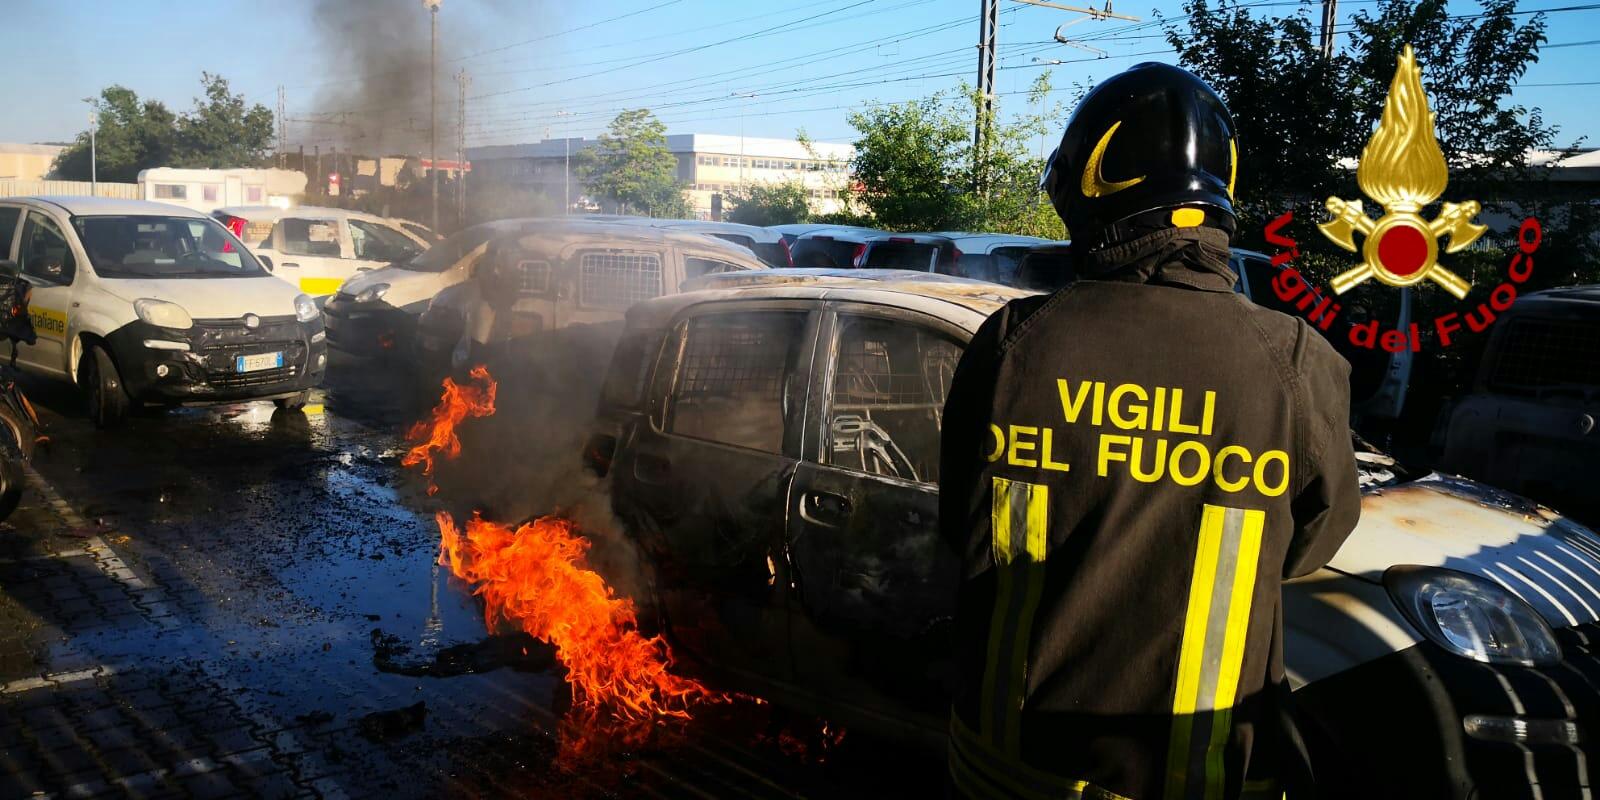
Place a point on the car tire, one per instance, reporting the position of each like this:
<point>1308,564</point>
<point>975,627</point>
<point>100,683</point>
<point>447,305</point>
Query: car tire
<point>17,438</point>
<point>294,402</point>
<point>12,478</point>
<point>102,387</point>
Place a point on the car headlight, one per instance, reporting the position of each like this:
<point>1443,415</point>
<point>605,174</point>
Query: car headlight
<point>163,314</point>
<point>373,293</point>
<point>1471,617</point>
<point>305,309</point>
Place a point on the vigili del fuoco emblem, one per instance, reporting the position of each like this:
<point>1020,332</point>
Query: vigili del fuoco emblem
<point>1403,169</point>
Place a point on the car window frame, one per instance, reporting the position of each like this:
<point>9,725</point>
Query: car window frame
<point>663,376</point>
<point>667,261</point>
<point>279,237</point>
<point>830,330</point>
<point>8,248</point>
<point>350,225</point>
<point>72,251</point>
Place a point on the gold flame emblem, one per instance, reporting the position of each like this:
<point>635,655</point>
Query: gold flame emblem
<point>1403,170</point>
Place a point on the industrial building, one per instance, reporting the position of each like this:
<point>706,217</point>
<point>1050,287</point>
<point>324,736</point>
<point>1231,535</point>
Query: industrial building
<point>708,164</point>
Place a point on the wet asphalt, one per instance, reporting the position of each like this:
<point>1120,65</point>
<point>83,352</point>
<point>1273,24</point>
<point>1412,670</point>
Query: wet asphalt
<point>241,601</point>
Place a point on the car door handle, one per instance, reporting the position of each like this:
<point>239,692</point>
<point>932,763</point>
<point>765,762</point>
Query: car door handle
<point>824,508</point>
<point>651,469</point>
<point>289,264</point>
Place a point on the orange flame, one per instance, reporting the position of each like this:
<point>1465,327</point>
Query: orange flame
<point>437,435</point>
<point>1402,166</point>
<point>537,577</point>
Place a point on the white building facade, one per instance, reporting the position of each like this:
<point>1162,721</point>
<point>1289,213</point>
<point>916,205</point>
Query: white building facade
<point>708,164</point>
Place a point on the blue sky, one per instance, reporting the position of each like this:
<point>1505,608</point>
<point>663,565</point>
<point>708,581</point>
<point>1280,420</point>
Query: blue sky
<point>706,66</point>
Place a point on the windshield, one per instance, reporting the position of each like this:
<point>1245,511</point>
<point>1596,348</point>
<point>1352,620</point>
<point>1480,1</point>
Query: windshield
<point>823,252</point>
<point>164,247</point>
<point>445,254</point>
<point>901,255</point>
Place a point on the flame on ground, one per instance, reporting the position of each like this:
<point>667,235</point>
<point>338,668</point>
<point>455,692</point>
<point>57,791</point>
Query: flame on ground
<point>536,576</point>
<point>436,436</point>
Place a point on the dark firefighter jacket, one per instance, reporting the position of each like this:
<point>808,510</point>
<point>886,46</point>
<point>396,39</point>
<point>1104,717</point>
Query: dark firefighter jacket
<point>1131,466</point>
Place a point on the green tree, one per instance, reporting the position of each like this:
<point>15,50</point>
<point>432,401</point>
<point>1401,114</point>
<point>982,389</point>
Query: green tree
<point>632,167</point>
<point>222,131</point>
<point>909,163</point>
<point>769,204</point>
<point>1302,118</point>
<point>917,167</point>
<point>131,135</point>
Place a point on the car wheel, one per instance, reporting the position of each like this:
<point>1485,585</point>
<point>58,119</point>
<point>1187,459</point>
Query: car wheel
<point>294,402</point>
<point>12,478</point>
<point>102,386</point>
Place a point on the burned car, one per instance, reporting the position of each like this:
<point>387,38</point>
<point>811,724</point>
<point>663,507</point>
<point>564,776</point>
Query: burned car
<point>772,444</point>
<point>1529,423</point>
<point>553,276</point>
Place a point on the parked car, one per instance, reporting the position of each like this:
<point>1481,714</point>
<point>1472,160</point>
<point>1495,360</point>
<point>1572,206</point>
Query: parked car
<point>773,448</point>
<point>767,244</point>
<point>922,252</point>
<point>551,275</point>
<point>792,231</point>
<point>1529,422</point>
<point>829,247</point>
<point>138,302</point>
<point>991,257</point>
<point>374,313</point>
<point>317,249</point>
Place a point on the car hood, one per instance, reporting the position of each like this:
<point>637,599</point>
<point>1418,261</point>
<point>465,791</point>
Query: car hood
<point>213,298</point>
<point>1442,521</point>
<point>406,287</point>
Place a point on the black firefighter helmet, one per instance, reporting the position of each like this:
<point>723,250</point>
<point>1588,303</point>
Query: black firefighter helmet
<point>1150,146</point>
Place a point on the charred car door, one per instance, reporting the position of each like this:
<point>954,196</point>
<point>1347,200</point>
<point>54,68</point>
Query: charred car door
<point>708,477</point>
<point>875,581</point>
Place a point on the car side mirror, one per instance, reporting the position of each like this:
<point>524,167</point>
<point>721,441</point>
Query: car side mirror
<point>265,262</point>
<point>8,268</point>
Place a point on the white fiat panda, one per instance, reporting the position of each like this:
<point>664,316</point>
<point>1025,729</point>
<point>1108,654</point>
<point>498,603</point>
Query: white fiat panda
<point>149,303</point>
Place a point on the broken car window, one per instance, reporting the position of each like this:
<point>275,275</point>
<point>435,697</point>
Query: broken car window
<point>310,237</point>
<point>732,381</point>
<point>698,267</point>
<point>888,398</point>
<point>374,242</point>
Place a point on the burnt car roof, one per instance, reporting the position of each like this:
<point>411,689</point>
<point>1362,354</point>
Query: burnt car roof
<point>962,301</point>
<point>605,231</point>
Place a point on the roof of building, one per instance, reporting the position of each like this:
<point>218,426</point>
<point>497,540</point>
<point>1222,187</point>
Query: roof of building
<point>108,206</point>
<point>18,148</point>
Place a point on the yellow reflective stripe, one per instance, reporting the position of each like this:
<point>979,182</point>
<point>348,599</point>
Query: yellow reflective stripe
<point>1000,541</point>
<point>1216,627</point>
<point>1192,651</point>
<point>1243,592</point>
<point>1014,504</point>
<point>320,285</point>
<point>1037,515</point>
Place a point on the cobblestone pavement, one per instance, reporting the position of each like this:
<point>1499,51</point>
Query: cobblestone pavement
<point>234,602</point>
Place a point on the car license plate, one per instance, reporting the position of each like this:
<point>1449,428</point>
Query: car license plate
<point>256,363</point>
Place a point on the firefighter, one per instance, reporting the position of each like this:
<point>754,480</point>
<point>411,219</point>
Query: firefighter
<point>1131,467</point>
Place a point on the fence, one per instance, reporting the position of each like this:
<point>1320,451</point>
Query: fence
<point>122,191</point>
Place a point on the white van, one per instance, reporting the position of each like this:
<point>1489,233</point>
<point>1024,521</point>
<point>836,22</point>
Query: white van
<point>139,302</point>
<point>317,249</point>
<point>375,312</point>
